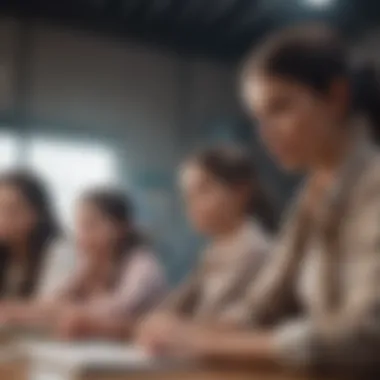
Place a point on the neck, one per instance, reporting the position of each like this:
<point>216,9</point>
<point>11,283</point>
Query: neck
<point>332,155</point>
<point>101,258</point>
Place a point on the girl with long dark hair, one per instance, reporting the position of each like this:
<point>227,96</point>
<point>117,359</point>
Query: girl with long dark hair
<point>117,277</point>
<point>28,230</point>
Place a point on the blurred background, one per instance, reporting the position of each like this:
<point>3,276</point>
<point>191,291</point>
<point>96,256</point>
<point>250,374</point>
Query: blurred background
<point>120,91</point>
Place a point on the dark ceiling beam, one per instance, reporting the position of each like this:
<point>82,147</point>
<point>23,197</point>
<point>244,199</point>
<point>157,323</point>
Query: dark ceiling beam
<point>159,7</point>
<point>205,12</point>
<point>191,9</point>
<point>130,5</point>
<point>225,18</point>
<point>254,14</point>
<point>219,28</point>
<point>98,4</point>
<point>157,11</point>
<point>222,10</point>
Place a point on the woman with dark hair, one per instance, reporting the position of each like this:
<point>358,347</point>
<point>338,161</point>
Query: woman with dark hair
<point>319,116</point>
<point>117,276</point>
<point>28,229</point>
<point>223,198</point>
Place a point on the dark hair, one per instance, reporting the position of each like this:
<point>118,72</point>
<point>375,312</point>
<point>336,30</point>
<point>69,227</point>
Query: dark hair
<point>316,56</point>
<point>118,207</point>
<point>47,228</point>
<point>234,166</point>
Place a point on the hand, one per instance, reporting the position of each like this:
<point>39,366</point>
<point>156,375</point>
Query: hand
<point>74,324</point>
<point>11,312</point>
<point>153,333</point>
<point>166,335</point>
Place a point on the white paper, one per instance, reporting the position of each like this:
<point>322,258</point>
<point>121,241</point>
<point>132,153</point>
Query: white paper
<point>40,372</point>
<point>88,354</point>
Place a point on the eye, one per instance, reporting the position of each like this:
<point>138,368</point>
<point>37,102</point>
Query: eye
<point>280,105</point>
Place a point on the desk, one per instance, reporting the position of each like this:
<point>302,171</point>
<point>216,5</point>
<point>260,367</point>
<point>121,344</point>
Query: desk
<point>37,360</point>
<point>8,355</point>
<point>104,361</point>
<point>12,363</point>
<point>17,372</point>
<point>199,375</point>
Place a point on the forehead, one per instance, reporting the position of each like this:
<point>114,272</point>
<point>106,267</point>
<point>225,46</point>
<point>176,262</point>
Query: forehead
<point>9,191</point>
<point>259,88</point>
<point>86,208</point>
<point>191,174</point>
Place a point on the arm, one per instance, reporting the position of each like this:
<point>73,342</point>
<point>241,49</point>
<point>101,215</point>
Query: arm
<point>347,338</point>
<point>114,315</point>
<point>57,270</point>
<point>33,314</point>
<point>183,299</point>
<point>350,335</point>
<point>167,315</point>
<point>141,285</point>
<point>47,307</point>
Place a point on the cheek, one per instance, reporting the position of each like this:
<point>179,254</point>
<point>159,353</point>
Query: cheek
<point>310,130</point>
<point>8,228</point>
<point>20,224</point>
<point>209,210</point>
<point>293,134</point>
<point>96,236</point>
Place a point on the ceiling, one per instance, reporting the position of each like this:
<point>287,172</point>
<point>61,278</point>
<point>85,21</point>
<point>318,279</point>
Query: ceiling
<point>220,28</point>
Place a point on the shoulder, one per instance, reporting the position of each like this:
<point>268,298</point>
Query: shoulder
<point>368,187</point>
<point>59,244</point>
<point>142,265</point>
<point>253,245</point>
<point>372,174</point>
<point>364,205</point>
<point>60,250</point>
<point>257,237</point>
<point>142,256</point>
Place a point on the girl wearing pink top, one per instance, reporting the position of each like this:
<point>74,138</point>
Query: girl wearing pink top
<point>117,276</point>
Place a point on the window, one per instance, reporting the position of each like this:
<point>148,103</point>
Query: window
<point>69,167</point>
<point>8,150</point>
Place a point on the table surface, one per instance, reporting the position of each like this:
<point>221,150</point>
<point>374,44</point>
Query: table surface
<point>19,371</point>
<point>13,367</point>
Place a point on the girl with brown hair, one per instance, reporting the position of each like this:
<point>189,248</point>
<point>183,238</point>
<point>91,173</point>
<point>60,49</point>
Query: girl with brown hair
<point>225,203</point>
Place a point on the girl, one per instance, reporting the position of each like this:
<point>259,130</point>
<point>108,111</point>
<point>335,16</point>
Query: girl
<point>28,231</point>
<point>117,277</point>
<point>222,193</point>
<point>316,115</point>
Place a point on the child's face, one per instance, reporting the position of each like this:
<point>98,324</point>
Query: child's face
<point>210,204</point>
<point>17,216</point>
<point>95,232</point>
